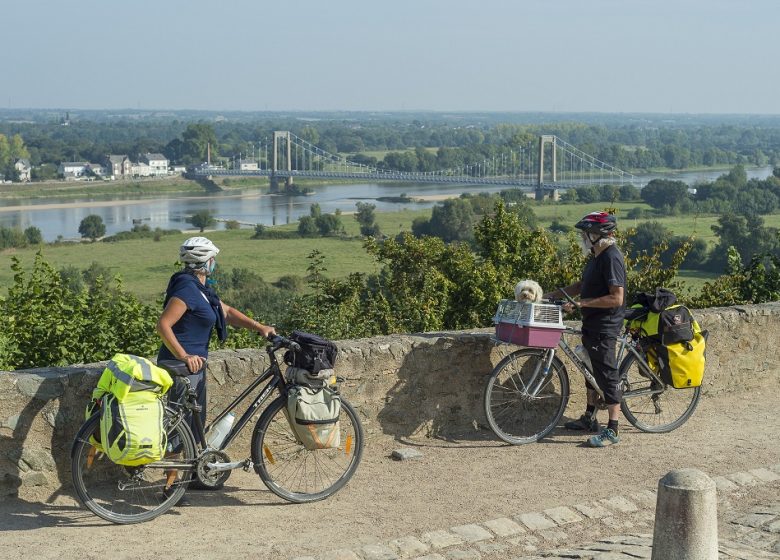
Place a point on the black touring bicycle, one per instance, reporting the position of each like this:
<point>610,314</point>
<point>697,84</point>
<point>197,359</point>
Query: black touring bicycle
<point>290,469</point>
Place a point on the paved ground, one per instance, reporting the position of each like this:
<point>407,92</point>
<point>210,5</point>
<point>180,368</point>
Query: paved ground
<point>466,498</point>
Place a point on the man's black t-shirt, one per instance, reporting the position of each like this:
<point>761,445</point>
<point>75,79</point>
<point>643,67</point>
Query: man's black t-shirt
<point>607,269</point>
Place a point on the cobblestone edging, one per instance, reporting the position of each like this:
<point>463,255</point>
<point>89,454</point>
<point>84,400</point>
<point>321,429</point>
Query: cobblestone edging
<point>540,535</point>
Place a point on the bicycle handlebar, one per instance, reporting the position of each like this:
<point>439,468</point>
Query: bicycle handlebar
<point>277,341</point>
<point>567,297</point>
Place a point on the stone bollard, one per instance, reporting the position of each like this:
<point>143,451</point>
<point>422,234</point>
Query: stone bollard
<point>686,517</point>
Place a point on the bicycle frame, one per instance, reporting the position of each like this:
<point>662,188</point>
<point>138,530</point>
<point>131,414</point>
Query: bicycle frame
<point>625,344</point>
<point>274,373</point>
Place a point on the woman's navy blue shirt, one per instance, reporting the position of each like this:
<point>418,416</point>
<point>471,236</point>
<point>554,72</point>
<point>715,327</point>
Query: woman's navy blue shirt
<point>193,330</point>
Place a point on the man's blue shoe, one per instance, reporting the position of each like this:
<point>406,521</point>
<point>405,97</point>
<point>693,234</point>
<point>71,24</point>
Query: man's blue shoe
<point>605,438</point>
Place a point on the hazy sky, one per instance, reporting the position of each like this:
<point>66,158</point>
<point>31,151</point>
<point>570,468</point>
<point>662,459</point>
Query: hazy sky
<point>678,56</point>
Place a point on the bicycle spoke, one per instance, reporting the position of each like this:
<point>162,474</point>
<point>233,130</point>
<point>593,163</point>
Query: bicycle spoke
<point>300,474</point>
<point>125,494</point>
<point>656,411</point>
<point>514,414</point>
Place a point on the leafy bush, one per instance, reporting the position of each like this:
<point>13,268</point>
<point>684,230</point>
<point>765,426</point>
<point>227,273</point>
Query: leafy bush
<point>12,237</point>
<point>232,224</point>
<point>259,231</point>
<point>307,226</point>
<point>52,325</point>
<point>33,235</point>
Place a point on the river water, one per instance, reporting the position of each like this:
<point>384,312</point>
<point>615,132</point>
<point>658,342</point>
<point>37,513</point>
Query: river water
<point>61,217</point>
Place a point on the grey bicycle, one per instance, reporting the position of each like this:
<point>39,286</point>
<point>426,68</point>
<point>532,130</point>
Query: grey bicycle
<point>527,392</point>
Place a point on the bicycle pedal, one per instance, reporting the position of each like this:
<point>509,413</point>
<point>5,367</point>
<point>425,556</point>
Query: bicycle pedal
<point>248,464</point>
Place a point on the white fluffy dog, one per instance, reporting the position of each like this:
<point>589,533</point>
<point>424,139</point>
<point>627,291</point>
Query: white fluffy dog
<point>528,291</point>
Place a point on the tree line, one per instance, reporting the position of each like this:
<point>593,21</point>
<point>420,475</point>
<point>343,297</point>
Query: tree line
<point>458,141</point>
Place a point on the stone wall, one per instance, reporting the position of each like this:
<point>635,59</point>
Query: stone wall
<point>403,385</point>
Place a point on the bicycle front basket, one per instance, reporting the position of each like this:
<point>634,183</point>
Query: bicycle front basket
<point>529,324</point>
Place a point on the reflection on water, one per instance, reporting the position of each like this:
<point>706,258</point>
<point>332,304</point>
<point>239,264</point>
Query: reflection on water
<point>250,207</point>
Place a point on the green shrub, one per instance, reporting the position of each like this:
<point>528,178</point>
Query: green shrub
<point>51,324</point>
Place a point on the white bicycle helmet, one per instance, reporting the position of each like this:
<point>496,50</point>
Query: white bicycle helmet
<point>197,250</point>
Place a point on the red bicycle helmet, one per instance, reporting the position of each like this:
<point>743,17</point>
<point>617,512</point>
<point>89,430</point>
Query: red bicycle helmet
<point>601,223</point>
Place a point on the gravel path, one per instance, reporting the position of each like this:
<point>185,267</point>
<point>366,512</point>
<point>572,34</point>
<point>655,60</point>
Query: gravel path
<point>475,484</point>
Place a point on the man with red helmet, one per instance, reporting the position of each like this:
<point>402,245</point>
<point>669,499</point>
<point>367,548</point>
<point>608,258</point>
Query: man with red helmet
<point>602,302</point>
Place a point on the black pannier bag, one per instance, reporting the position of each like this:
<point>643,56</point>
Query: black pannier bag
<point>316,353</point>
<point>659,317</point>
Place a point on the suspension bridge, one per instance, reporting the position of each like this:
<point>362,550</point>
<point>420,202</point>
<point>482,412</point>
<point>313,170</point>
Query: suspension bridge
<point>544,165</point>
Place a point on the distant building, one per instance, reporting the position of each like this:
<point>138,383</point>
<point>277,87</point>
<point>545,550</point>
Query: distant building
<point>24,168</point>
<point>246,165</point>
<point>118,166</point>
<point>72,170</point>
<point>178,169</point>
<point>158,163</point>
<point>140,169</point>
<point>96,169</point>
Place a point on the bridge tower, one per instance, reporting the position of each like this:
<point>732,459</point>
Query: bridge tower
<point>281,136</point>
<point>541,191</point>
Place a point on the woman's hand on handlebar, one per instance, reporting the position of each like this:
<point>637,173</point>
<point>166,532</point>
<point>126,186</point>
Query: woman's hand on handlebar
<point>267,331</point>
<point>194,363</point>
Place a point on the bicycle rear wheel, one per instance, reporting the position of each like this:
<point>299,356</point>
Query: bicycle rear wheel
<point>298,474</point>
<point>123,494</point>
<point>646,408</point>
<point>513,414</point>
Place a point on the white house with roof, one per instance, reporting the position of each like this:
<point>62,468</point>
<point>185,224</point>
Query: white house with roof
<point>24,168</point>
<point>72,170</point>
<point>158,163</point>
<point>140,169</point>
<point>96,169</point>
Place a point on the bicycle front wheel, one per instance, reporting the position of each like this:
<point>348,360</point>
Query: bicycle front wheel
<point>295,473</point>
<point>122,494</point>
<point>523,405</point>
<point>649,405</point>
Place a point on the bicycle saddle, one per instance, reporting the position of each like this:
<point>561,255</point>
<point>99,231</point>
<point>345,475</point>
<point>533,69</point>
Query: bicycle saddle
<point>175,367</point>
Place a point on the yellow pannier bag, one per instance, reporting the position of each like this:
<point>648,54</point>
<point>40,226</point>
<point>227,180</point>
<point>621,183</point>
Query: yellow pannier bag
<point>681,364</point>
<point>131,430</point>
<point>129,398</point>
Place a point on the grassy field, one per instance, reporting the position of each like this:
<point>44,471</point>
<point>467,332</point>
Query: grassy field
<point>145,265</point>
<point>689,225</point>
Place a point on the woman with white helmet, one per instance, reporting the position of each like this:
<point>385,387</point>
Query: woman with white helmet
<point>191,311</point>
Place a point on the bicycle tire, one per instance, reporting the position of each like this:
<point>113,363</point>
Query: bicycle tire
<point>298,474</point>
<point>98,481</point>
<point>657,413</point>
<point>512,414</point>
